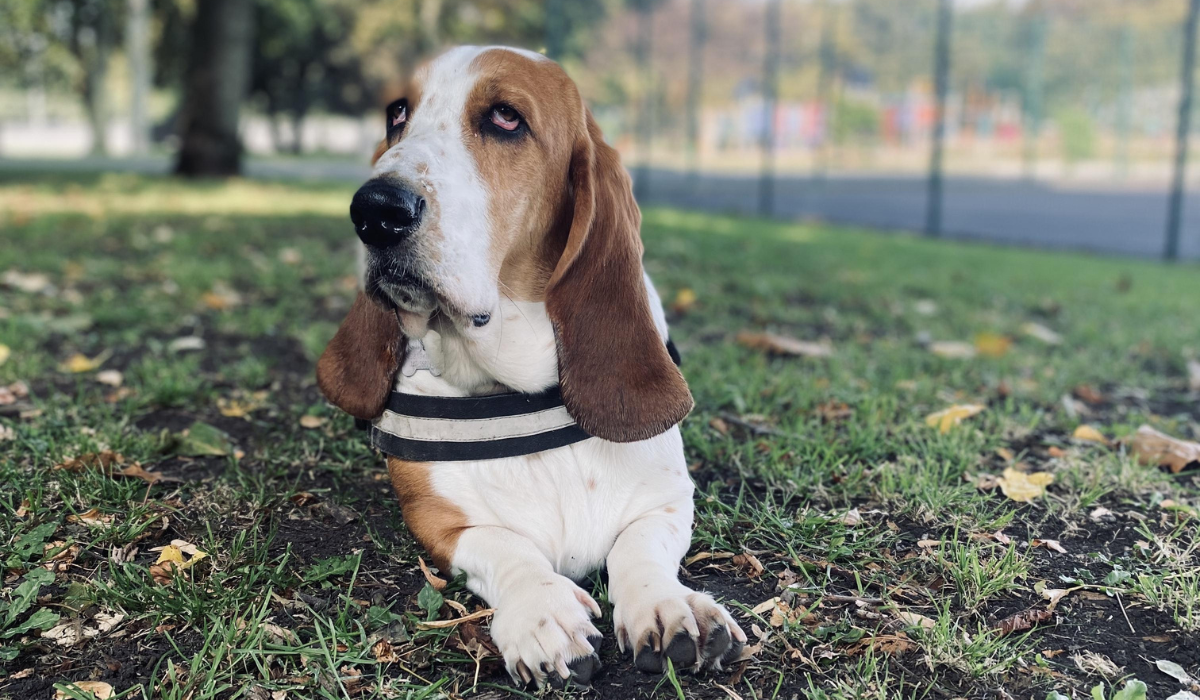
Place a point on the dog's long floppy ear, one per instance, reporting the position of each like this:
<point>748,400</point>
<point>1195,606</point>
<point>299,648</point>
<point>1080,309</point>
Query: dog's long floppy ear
<point>618,382</point>
<point>358,366</point>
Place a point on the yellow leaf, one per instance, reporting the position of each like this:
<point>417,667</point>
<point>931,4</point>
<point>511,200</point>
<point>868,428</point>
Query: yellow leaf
<point>311,422</point>
<point>99,689</point>
<point>79,362</point>
<point>946,419</point>
<point>1022,487</point>
<point>685,299</point>
<point>1089,434</point>
<point>170,553</point>
<point>5,353</point>
<point>992,344</point>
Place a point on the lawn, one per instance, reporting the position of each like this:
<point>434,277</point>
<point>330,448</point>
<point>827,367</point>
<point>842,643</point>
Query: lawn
<point>182,516</point>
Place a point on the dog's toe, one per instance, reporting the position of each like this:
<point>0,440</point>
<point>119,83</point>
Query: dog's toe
<point>682,651</point>
<point>585,668</point>
<point>717,643</point>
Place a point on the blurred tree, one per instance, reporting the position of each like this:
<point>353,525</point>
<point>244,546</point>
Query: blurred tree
<point>89,29</point>
<point>218,76</point>
<point>305,61</point>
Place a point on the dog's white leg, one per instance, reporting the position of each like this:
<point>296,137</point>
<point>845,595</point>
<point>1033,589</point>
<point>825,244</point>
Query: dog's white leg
<point>542,623</point>
<point>657,617</point>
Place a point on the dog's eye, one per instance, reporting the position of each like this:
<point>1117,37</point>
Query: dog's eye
<point>506,117</point>
<point>397,114</point>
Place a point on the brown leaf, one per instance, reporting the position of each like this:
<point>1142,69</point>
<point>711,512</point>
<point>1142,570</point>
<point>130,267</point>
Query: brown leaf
<point>1049,544</point>
<point>891,644</point>
<point>1152,447</point>
<point>750,564</point>
<point>303,498</point>
<point>1023,621</point>
<point>1054,595</point>
<point>92,460</point>
<point>833,411</point>
<point>93,518</point>
<point>135,471</point>
<point>384,652</point>
<point>98,689</point>
<point>311,422</point>
<point>703,556</point>
<point>783,345</point>
<point>718,424</point>
<point>1088,394</point>
<point>435,581</point>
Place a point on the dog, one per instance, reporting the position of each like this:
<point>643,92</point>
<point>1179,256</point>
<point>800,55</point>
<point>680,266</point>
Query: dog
<point>501,253</point>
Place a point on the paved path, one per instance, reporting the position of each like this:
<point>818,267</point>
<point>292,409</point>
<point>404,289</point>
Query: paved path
<point>1111,221</point>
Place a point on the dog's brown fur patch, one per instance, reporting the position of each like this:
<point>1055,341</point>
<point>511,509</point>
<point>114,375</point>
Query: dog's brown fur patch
<point>433,520</point>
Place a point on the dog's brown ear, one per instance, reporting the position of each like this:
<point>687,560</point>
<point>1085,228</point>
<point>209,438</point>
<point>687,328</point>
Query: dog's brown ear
<point>618,382</point>
<point>358,366</point>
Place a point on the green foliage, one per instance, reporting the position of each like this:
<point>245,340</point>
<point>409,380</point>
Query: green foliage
<point>1078,134</point>
<point>23,598</point>
<point>854,120</point>
<point>1133,690</point>
<point>430,600</point>
<point>326,569</point>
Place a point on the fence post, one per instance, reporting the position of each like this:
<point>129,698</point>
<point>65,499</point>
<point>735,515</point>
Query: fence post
<point>641,181</point>
<point>695,88</point>
<point>825,70</point>
<point>1034,81</point>
<point>941,70</point>
<point>1175,206</point>
<point>766,181</point>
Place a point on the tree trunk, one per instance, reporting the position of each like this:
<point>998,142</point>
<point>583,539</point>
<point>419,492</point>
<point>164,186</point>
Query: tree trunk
<point>137,48</point>
<point>218,76</point>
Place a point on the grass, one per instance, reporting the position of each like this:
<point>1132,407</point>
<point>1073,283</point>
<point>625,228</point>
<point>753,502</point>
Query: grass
<point>868,524</point>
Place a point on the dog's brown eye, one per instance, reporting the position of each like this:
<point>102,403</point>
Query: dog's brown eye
<point>397,114</point>
<point>506,117</point>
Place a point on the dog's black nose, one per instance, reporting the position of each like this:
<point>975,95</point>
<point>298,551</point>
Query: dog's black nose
<point>385,213</point>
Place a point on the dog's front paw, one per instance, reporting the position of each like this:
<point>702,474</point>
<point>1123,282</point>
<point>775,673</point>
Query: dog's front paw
<point>673,622</point>
<point>545,633</point>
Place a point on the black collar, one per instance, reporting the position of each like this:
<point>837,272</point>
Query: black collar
<point>420,428</point>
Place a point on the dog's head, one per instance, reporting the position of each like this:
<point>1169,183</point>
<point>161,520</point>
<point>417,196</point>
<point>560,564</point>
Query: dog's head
<point>494,179</point>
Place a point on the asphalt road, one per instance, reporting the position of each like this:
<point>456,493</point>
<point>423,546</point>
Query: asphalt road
<point>1117,221</point>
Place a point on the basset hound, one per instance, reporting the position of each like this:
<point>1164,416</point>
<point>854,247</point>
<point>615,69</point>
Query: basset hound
<point>501,241</point>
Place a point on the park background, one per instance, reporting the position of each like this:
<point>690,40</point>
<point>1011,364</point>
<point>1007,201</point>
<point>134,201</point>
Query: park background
<point>931,265</point>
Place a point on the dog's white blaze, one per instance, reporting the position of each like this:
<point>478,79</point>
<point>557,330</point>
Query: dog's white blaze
<point>433,157</point>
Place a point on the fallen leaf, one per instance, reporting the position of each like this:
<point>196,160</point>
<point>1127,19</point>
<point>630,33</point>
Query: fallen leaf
<point>1048,544</point>
<point>92,518</point>
<point>703,556</point>
<point>1056,452</point>
<point>186,343</point>
<point>92,460</point>
<point>202,440</point>
<point>1055,594</point>
<point>1005,454</point>
<point>783,345</point>
<point>1022,621</point>
<point>7,433</point>
<point>1088,394</point>
<point>1022,487</point>
<point>913,619</point>
<point>303,498</point>
<point>946,419</point>
<point>438,583</point>
<point>79,363</point>
<point>443,624</point>
<point>1101,514</point>
<point>1157,638</point>
<point>986,482</point>
<point>135,471</point>
<point>98,689</point>
<point>1002,538</point>
<point>851,518</point>
<point>1175,671</point>
<point>1153,447</point>
<point>311,422</point>
<point>685,299</point>
<point>749,563</point>
<point>832,411</point>
<point>221,297</point>
<point>1039,332</point>
<point>384,653</point>
<point>28,282</point>
<point>1087,433</point>
<point>928,545</point>
<point>992,344</point>
<point>952,349</point>
<point>171,561</point>
<point>111,377</point>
